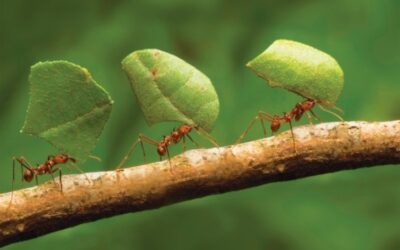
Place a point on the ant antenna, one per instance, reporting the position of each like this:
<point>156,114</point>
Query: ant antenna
<point>96,158</point>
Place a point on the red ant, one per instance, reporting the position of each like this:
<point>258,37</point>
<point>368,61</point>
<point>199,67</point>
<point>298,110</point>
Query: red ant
<point>45,168</point>
<point>297,112</point>
<point>174,138</point>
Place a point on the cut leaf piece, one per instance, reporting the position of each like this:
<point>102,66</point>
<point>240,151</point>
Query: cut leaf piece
<point>66,107</point>
<point>170,89</point>
<point>300,68</point>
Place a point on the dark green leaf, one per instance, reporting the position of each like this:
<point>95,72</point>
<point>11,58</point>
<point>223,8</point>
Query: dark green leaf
<point>66,107</point>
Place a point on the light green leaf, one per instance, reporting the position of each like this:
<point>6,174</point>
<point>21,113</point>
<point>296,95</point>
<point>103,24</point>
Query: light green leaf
<point>300,68</point>
<point>66,107</point>
<point>170,89</point>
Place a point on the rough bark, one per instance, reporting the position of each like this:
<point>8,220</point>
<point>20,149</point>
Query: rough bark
<point>321,149</point>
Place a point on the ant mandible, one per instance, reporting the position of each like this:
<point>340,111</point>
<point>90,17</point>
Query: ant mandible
<point>48,167</point>
<point>297,112</point>
<point>173,138</point>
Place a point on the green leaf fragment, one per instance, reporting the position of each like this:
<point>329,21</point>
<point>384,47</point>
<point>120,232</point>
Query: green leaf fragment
<point>169,89</point>
<point>300,68</point>
<point>66,107</point>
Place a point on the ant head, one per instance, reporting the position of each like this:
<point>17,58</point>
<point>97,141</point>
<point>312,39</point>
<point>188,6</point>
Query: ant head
<point>28,175</point>
<point>63,158</point>
<point>309,104</point>
<point>175,135</point>
<point>185,129</point>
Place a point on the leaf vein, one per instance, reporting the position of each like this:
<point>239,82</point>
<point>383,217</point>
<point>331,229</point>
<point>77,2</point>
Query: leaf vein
<point>97,107</point>
<point>174,106</point>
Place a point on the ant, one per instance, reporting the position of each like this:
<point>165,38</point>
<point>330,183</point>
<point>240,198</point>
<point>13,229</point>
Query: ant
<point>296,113</point>
<point>174,137</point>
<point>48,167</point>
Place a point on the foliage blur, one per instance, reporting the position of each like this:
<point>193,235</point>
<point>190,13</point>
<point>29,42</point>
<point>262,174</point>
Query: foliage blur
<point>347,210</point>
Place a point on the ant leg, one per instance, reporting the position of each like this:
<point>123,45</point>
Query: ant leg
<point>69,167</point>
<point>36,179</point>
<point>22,173</point>
<point>169,158</point>
<point>258,117</point>
<point>309,118</point>
<point>140,140</point>
<point>80,170</point>
<point>183,144</point>
<point>263,127</point>
<point>147,140</point>
<point>291,131</point>
<point>23,162</point>
<point>330,112</point>
<point>205,134</point>
<point>125,158</point>
<point>193,141</point>
<point>60,177</point>
<point>52,176</point>
<point>315,115</point>
<point>60,174</point>
<point>143,151</point>
<point>265,116</point>
<point>331,105</point>
<point>12,184</point>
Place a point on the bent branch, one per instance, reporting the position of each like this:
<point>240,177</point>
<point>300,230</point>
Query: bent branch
<point>324,148</point>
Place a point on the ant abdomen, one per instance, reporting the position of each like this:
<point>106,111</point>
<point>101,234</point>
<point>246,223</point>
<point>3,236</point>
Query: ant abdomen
<point>161,150</point>
<point>28,175</point>
<point>275,125</point>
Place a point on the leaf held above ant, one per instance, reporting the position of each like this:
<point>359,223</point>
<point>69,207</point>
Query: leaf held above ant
<point>301,69</point>
<point>170,89</point>
<point>66,107</point>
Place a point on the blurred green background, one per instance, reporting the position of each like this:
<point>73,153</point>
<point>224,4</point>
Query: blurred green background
<point>348,210</point>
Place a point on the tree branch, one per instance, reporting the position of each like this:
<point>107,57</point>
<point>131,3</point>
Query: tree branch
<point>321,149</point>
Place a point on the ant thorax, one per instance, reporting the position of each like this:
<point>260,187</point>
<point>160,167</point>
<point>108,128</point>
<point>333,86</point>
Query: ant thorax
<point>184,129</point>
<point>287,117</point>
<point>308,104</point>
<point>175,136</point>
<point>61,158</point>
